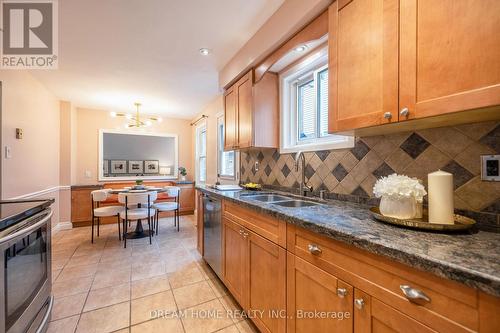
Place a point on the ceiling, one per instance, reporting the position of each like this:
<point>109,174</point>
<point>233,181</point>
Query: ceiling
<point>115,52</point>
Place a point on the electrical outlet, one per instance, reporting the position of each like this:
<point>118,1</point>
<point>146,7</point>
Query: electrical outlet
<point>490,167</point>
<point>256,166</point>
<point>19,133</point>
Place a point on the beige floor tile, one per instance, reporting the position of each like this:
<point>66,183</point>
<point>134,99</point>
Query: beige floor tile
<point>193,294</point>
<point>232,307</point>
<point>111,278</point>
<point>143,308</point>
<point>219,289</point>
<point>149,286</point>
<point>107,296</point>
<point>71,287</point>
<point>147,271</point>
<point>230,329</point>
<point>59,264</point>
<point>200,319</point>
<point>245,326</point>
<point>66,325</point>
<point>121,263</point>
<point>105,320</point>
<point>207,272</point>
<point>172,325</point>
<point>55,274</point>
<point>69,273</point>
<point>187,275</point>
<point>68,306</point>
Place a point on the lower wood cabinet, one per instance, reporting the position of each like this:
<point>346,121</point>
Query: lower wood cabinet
<point>317,301</point>
<point>254,271</point>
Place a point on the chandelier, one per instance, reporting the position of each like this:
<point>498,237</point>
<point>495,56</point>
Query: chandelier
<point>136,121</point>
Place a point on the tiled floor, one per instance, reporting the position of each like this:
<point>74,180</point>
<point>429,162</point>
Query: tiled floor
<point>103,287</point>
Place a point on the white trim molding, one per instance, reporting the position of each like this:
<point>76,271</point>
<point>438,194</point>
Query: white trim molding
<point>62,226</point>
<point>41,192</point>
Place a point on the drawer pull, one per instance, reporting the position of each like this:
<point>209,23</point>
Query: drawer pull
<point>341,292</point>
<point>414,295</point>
<point>359,303</point>
<point>314,249</point>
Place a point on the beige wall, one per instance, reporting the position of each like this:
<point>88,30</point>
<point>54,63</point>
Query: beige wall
<point>88,123</point>
<point>34,165</point>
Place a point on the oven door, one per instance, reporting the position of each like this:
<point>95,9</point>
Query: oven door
<point>25,279</point>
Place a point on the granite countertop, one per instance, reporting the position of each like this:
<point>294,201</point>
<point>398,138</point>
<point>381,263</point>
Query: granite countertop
<point>471,258</point>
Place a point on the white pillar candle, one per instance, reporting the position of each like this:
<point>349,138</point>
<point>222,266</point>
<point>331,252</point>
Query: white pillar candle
<point>441,197</point>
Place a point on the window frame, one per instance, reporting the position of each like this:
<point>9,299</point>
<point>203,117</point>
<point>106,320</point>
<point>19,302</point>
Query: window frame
<point>200,129</point>
<point>310,66</point>
<point>220,151</point>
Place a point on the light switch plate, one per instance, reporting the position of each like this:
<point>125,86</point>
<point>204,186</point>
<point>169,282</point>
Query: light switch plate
<point>8,153</point>
<point>490,167</point>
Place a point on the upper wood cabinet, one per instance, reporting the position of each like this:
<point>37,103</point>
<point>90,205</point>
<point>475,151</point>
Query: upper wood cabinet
<point>393,61</point>
<point>251,113</point>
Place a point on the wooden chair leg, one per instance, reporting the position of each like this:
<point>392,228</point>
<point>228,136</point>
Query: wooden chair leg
<point>150,232</point>
<point>98,226</point>
<point>125,233</point>
<point>178,220</point>
<point>157,221</point>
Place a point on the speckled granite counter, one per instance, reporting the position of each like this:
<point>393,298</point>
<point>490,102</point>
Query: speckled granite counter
<point>472,259</point>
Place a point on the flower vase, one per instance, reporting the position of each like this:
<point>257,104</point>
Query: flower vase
<point>183,178</point>
<point>398,207</point>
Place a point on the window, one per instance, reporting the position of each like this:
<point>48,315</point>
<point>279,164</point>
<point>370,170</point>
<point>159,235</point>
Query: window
<point>226,165</point>
<point>201,154</point>
<point>304,107</point>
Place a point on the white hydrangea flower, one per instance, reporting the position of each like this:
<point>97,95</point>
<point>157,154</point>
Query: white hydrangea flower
<point>399,186</point>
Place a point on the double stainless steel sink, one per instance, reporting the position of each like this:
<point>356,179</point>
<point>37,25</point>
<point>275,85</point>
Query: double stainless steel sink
<point>280,200</point>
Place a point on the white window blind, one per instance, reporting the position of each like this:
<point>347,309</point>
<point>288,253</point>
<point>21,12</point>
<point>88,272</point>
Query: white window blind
<point>202,154</point>
<point>307,110</point>
<point>323,102</point>
<point>226,158</point>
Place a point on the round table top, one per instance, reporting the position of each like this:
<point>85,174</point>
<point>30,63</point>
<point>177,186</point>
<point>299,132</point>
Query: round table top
<point>130,190</point>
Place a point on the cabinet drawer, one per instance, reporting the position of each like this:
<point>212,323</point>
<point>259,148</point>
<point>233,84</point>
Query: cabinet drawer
<point>452,307</point>
<point>262,224</point>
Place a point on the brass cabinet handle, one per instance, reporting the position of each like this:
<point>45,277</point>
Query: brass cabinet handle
<point>414,295</point>
<point>387,115</point>
<point>359,303</point>
<point>404,112</point>
<point>314,249</point>
<point>341,292</point>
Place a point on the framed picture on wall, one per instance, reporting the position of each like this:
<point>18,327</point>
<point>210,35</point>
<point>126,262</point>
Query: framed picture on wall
<point>151,166</point>
<point>118,167</point>
<point>135,167</point>
<point>105,167</point>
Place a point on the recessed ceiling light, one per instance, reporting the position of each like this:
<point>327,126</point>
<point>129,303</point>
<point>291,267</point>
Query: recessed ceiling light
<point>300,48</point>
<point>204,51</point>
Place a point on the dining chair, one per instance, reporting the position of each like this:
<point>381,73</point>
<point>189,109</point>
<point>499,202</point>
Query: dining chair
<point>173,192</point>
<point>97,197</point>
<point>144,210</point>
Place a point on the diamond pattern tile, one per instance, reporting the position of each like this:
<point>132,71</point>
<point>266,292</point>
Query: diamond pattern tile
<point>360,192</point>
<point>309,171</point>
<point>339,172</point>
<point>460,174</point>
<point>492,139</point>
<point>247,157</point>
<point>323,154</point>
<point>383,170</point>
<point>268,170</point>
<point>276,155</point>
<point>242,170</point>
<point>360,150</point>
<point>285,170</point>
<point>260,156</point>
<point>414,145</point>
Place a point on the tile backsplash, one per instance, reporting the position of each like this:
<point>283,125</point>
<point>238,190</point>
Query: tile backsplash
<point>351,173</point>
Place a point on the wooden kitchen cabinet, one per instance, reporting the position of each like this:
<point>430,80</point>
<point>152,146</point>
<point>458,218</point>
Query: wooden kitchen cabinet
<point>363,63</point>
<point>311,294</point>
<point>186,198</point>
<point>266,275</point>
<point>199,222</point>
<point>234,251</point>
<point>392,61</point>
<point>372,315</point>
<point>251,113</point>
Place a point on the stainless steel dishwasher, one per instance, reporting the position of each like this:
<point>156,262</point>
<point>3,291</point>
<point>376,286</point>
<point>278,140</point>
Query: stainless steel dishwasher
<point>212,235</point>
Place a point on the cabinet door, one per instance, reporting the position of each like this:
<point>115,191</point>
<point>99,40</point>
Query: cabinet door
<point>449,56</point>
<point>372,315</point>
<point>363,63</point>
<point>266,283</point>
<point>81,205</point>
<point>186,198</point>
<point>316,300</point>
<point>230,119</point>
<point>234,260</point>
<point>199,221</point>
<point>244,106</point>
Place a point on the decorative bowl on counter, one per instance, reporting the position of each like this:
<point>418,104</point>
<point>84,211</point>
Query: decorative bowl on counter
<point>252,186</point>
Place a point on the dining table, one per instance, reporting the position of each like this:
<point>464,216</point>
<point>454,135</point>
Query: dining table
<point>139,231</point>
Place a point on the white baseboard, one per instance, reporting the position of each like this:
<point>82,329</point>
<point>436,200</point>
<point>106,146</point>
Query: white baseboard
<point>62,226</point>
<point>42,192</point>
